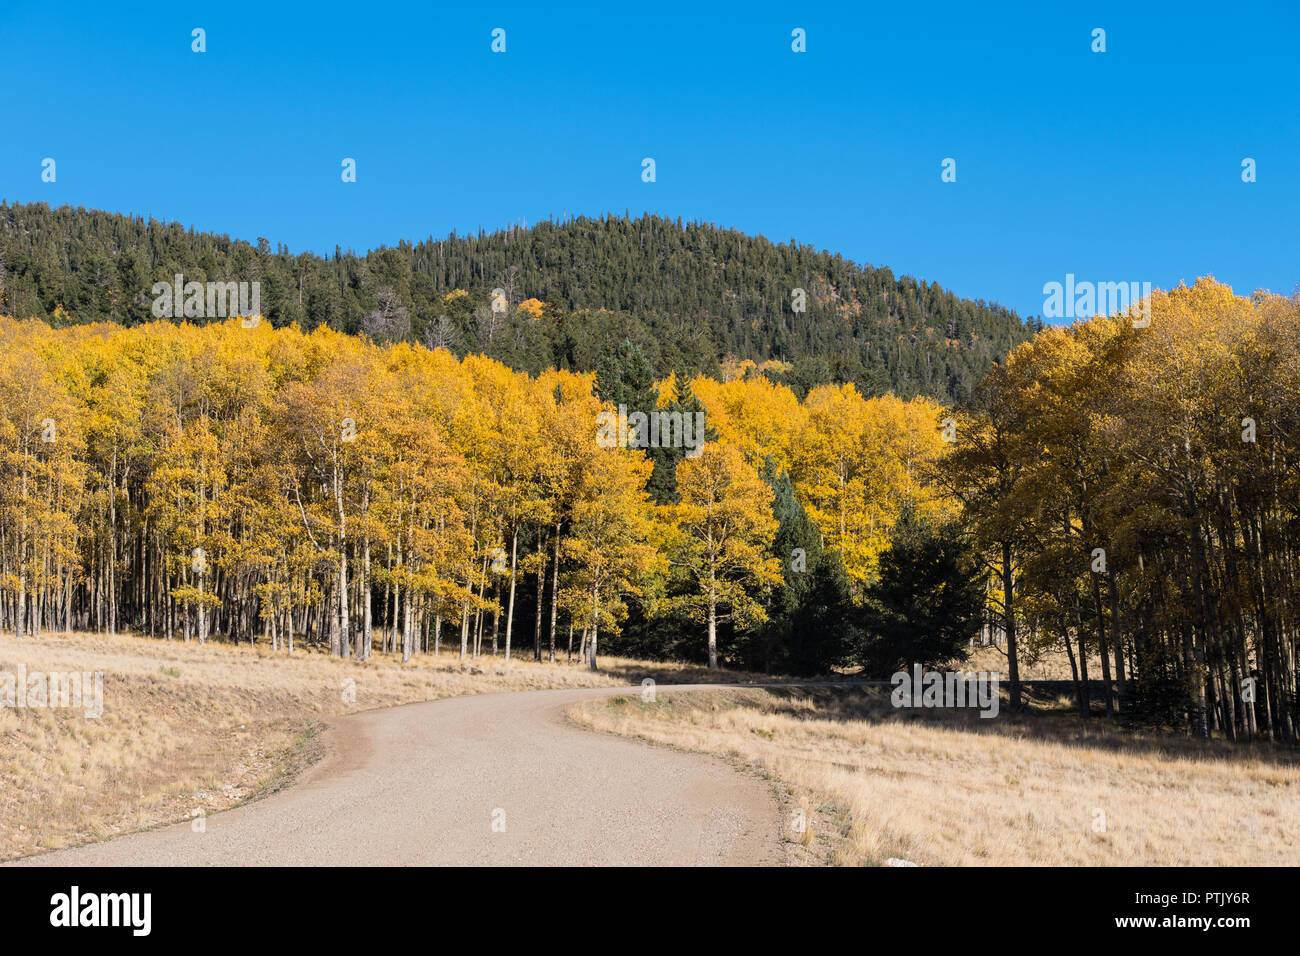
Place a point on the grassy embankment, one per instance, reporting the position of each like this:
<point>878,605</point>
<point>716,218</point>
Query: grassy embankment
<point>946,787</point>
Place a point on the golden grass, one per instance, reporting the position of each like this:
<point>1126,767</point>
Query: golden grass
<point>1033,663</point>
<point>949,788</point>
<point>186,727</point>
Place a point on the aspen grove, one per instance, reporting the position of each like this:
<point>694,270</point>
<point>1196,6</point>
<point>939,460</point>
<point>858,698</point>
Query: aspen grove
<point>254,483</point>
<point>1134,488</point>
<point>1123,492</point>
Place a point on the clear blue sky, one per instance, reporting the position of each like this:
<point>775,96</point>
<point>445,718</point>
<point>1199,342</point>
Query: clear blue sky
<point>1122,166</point>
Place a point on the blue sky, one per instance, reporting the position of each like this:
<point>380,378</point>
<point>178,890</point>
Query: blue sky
<point>1120,166</point>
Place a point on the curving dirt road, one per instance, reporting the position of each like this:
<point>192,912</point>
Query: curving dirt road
<point>424,784</point>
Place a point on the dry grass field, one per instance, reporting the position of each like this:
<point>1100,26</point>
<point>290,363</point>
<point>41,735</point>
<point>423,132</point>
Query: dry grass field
<point>944,787</point>
<point>1034,664</point>
<point>186,727</point>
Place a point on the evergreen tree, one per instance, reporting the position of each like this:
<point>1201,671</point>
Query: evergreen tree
<point>809,624</point>
<point>926,604</point>
<point>685,296</point>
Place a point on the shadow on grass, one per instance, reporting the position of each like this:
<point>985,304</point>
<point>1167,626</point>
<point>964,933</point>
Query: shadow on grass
<point>1047,717</point>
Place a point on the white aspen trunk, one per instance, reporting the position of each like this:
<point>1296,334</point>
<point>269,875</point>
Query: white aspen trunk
<point>713,622</point>
<point>478,616</point>
<point>496,617</point>
<point>112,547</point>
<point>541,594</point>
<point>510,613</point>
<point>555,595</point>
<point>595,624</point>
<point>20,614</point>
<point>345,636</point>
<point>198,534</point>
<point>363,639</point>
<point>464,630</point>
<point>406,628</point>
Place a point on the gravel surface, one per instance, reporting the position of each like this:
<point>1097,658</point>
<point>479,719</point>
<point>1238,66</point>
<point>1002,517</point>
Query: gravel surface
<point>495,779</point>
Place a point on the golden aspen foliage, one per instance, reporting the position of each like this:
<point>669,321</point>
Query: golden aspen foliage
<point>723,530</point>
<point>533,308</point>
<point>248,481</point>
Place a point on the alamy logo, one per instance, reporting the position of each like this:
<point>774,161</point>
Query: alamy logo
<point>75,690</point>
<point>1083,300</point>
<point>103,909</point>
<point>946,689</point>
<point>655,430</point>
<point>214,300</point>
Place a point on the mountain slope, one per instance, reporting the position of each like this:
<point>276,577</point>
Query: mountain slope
<point>661,294</point>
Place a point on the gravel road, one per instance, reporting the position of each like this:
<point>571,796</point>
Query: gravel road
<point>494,779</point>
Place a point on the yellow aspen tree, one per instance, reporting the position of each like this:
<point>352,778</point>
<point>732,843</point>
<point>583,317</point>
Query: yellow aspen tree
<point>724,529</point>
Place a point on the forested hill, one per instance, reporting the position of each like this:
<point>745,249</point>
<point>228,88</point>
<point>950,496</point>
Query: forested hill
<point>636,297</point>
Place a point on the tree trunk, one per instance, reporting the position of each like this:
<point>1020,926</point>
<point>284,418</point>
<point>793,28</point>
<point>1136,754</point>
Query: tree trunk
<point>510,613</point>
<point>595,625</point>
<point>541,594</point>
<point>364,638</point>
<point>1009,615</point>
<point>555,596</point>
<point>713,621</point>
